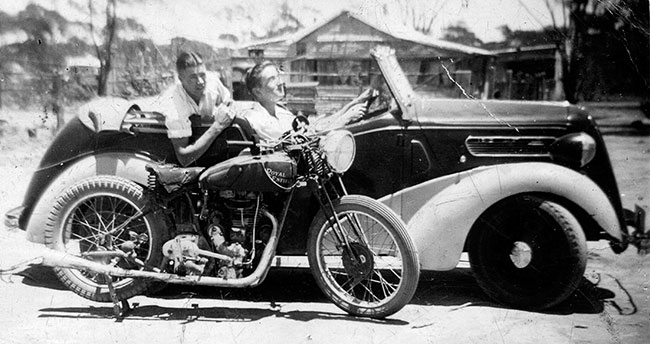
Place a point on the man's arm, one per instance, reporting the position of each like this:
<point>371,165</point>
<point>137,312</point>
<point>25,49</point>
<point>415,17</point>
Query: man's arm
<point>348,113</point>
<point>187,153</point>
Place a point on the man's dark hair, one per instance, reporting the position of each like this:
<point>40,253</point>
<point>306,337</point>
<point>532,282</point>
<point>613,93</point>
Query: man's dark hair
<point>188,60</point>
<point>252,78</point>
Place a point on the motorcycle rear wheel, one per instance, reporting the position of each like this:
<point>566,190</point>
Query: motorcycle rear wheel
<point>377,274</point>
<point>79,223</point>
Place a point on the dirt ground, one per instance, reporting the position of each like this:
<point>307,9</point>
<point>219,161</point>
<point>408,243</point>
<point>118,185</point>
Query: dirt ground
<point>612,306</point>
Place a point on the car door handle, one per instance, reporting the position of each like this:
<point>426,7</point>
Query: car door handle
<point>420,145</point>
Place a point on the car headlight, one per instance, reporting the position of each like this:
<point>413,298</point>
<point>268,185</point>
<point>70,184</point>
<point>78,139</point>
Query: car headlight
<point>340,148</point>
<point>575,150</point>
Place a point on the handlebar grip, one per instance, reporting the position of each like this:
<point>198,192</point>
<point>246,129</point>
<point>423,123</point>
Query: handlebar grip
<point>240,143</point>
<point>254,145</point>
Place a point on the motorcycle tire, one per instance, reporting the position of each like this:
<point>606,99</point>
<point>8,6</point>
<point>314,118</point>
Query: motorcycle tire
<point>528,252</point>
<point>377,273</point>
<point>79,223</point>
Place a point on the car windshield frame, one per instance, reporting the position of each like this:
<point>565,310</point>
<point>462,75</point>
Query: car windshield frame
<point>398,84</point>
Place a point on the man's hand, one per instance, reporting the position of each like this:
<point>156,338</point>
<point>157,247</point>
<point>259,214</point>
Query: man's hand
<point>223,114</point>
<point>354,113</point>
<point>363,97</point>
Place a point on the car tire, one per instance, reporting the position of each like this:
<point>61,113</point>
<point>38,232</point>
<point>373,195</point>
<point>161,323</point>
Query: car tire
<point>528,252</point>
<point>79,221</point>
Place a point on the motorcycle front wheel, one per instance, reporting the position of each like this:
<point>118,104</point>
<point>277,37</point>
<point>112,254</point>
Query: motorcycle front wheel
<point>369,267</point>
<point>98,219</point>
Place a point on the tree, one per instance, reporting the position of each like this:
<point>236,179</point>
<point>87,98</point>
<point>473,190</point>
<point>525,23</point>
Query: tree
<point>104,51</point>
<point>528,38</point>
<point>105,37</point>
<point>459,33</point>
<point>416,14</point>
<point>40,26</point>
<point>582,20</point>
<point>284,23</point>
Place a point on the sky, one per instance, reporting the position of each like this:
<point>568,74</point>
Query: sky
<point>205,20</point>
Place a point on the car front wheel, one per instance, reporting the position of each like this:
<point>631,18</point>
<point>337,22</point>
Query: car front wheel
<point>528,252</point>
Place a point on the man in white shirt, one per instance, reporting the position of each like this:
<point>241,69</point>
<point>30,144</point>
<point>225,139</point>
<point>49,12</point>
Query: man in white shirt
<point>198,92</point>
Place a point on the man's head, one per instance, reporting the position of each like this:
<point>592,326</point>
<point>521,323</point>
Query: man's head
<point>263,81</point>
<point>191,73</point>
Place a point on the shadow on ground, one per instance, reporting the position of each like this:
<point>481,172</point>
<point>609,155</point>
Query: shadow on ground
<point>635,128</point>
<point>204,314</point>
<point>451,288</point>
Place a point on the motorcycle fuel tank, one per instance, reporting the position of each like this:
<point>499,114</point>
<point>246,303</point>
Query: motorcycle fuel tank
<point>268,172</point>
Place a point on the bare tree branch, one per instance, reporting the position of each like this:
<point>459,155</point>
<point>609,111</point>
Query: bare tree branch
<point>92,33</point>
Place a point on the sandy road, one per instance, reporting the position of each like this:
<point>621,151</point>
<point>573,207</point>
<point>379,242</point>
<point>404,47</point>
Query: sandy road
<point>613,306</point>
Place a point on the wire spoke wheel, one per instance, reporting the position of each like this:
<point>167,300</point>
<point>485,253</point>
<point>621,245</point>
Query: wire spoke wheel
<point>374,270</point>
<point>101,219</point>
<point>88,228</point>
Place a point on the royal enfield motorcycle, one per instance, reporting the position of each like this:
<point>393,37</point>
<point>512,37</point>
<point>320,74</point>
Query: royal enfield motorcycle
<point>220,226</point>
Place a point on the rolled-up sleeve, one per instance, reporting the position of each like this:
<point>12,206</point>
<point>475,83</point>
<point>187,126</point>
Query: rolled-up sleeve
<point>176,118</point>
<point>177,127</point>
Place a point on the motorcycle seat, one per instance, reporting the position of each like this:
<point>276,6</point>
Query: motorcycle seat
<point>173,177</point>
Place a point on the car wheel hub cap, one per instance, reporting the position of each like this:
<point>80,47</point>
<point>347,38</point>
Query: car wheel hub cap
<point>521,254</point>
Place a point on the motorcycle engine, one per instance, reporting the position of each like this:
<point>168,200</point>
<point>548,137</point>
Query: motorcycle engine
<point>232,231</point>
<point>231,238</point>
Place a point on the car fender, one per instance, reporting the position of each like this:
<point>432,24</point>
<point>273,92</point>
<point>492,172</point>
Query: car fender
<point>440,213</point>
<point>123,164</point>
<point>104,113</point>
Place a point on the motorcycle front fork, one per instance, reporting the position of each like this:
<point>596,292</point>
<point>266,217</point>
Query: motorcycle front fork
<point>326,203</point>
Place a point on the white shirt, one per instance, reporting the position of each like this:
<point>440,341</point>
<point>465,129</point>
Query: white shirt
<point>267,126</point>
<point>178,106</point>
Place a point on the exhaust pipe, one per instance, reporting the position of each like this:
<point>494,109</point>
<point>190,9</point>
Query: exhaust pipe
<point>29,254</point>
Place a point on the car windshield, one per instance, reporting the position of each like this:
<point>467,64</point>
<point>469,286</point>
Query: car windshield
<point>394,78</point>
<point>435,77</point>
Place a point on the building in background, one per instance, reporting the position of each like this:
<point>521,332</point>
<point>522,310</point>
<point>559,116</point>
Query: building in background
<point>330,62</point>
<point>530,73</point>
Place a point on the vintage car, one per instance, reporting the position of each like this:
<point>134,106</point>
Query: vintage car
<point>519,186</point>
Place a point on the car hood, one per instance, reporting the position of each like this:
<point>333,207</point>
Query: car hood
<point>497,112</point>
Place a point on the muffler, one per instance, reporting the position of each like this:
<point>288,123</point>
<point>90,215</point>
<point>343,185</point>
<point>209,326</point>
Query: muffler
<point>25,254</point>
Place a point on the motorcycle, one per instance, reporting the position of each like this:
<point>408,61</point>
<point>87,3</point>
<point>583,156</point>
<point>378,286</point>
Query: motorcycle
<point>220,226</point>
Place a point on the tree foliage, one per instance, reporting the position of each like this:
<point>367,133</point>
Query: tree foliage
<point>285,22</point>
<point>40,26</point>
<point>459,33</point>
<point>586,26</point>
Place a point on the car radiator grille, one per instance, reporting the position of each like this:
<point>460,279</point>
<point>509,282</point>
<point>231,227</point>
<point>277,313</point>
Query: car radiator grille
<point>503,146</point>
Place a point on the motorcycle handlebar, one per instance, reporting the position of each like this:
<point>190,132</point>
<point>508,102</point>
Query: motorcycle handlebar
<point>240,143</point>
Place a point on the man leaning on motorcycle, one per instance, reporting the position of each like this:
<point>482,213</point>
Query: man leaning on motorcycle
<point>198,92</point>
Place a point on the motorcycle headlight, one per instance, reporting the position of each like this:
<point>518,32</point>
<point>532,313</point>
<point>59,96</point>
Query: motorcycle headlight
<point>575,150</point>
<point>340,149</point>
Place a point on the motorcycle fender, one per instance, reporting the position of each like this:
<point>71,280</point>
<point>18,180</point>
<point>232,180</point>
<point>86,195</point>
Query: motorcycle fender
<point>440,213</point>
<point>127,165</point>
